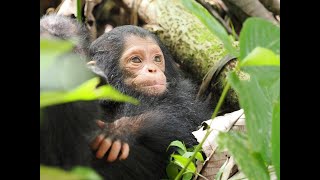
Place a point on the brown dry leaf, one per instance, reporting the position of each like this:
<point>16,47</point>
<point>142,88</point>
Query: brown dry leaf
<point>90,19</point>
<point>220,123</point>
<point>214,2</point>
<point>214,161</point>
<point>229,168</point>
<point>68,8</point>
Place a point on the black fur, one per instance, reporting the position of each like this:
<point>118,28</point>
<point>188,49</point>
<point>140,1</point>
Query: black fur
<point>162,119</point>
<point>67,129</point>
<point>66,28</point>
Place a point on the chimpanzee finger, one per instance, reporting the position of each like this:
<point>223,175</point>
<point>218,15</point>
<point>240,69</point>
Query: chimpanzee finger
<point>103,148</point>
<point>96,142</point>
<point>124,151</point>
<point>101,124</point>
<point>114,152</point>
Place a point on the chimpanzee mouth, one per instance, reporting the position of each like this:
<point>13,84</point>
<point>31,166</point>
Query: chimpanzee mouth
<point>155,85</point>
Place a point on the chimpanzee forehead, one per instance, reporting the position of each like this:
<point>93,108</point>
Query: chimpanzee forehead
<point>136,41</point>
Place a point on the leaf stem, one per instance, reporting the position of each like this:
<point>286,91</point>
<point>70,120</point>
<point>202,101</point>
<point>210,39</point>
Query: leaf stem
<point>79,18</point>
<point>216,110</point>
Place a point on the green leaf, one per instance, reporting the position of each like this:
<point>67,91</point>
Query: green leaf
<point>261,57</point>
<point>275,138</point>
<point>109,92</point>
<point>259,32</point>
<point>52,98</point>
<point>79,173</point>
<point>182,162</point>
<point>50,173</point>
<point>211,23</point>
<point>51,48</point>
<point>190,149</point>
<point>180,151</point>
<point>85,92</point>
<point>178,144</point>
<point>55,46</point>
<point>198,155</point>
<point>219,174</point>
<point>63,73</point>
<point>187,176</point>
<point>86,173</point>
<point>268,78</point>
<point>172,170</point>
<point>249,162</point>
<point>258,89</point>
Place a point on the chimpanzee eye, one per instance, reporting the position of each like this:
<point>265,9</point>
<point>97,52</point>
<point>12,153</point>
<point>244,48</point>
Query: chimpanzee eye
<point>136,59</point>
<point>157,58</point>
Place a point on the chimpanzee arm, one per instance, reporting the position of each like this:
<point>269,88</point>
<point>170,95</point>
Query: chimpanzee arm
<point>154,129</point>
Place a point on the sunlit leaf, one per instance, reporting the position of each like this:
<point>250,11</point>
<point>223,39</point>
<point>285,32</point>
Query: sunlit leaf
<point>64,73</point>
<point>275,138</point>
<point>50,173</point>
<point>268,78</point>
<point>261,57</point>
<point>182,162</point>
<point>52,98</point>
<point>178,144</point>
<point>86,173</point>
<point>198,155</point>
<point>257,32</point>
<point>258,88</point>
<point>55,46</point>
<point>249,162</point>
<point>211,23</point>
<point>180,151</point>
<point>78,173</point>
<point>85,92</point>
<point>51,48</point>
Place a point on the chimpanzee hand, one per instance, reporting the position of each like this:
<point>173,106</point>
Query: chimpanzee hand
<point>106,142</point>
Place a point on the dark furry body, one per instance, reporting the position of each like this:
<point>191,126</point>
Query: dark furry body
<point>150,127</point>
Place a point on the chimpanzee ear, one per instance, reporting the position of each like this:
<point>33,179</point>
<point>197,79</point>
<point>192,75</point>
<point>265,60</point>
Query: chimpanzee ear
<point>92,66</point>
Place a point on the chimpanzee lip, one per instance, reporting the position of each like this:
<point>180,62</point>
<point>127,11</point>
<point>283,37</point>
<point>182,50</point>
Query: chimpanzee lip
<point>154,85</point>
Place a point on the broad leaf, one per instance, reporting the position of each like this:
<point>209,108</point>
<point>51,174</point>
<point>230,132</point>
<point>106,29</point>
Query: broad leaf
<point>258,88</point>
<point>261,57</point>
<point>86,173</point>
<point>79,173</point>
<point>51,48</point>
<point>85,92</point>
<point>249,162</point>
<point>55,46</point>
<point>172,170</point>
<point>182,162</point>
<point>178,144</point>
<point>187,176</point>
<point>275,138</point>
<point>268,78</point>
<point>211,23</point>
<point>60,69</point>
<point>64,73</point>
<point>257,32</point>
<point>198,155</point>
